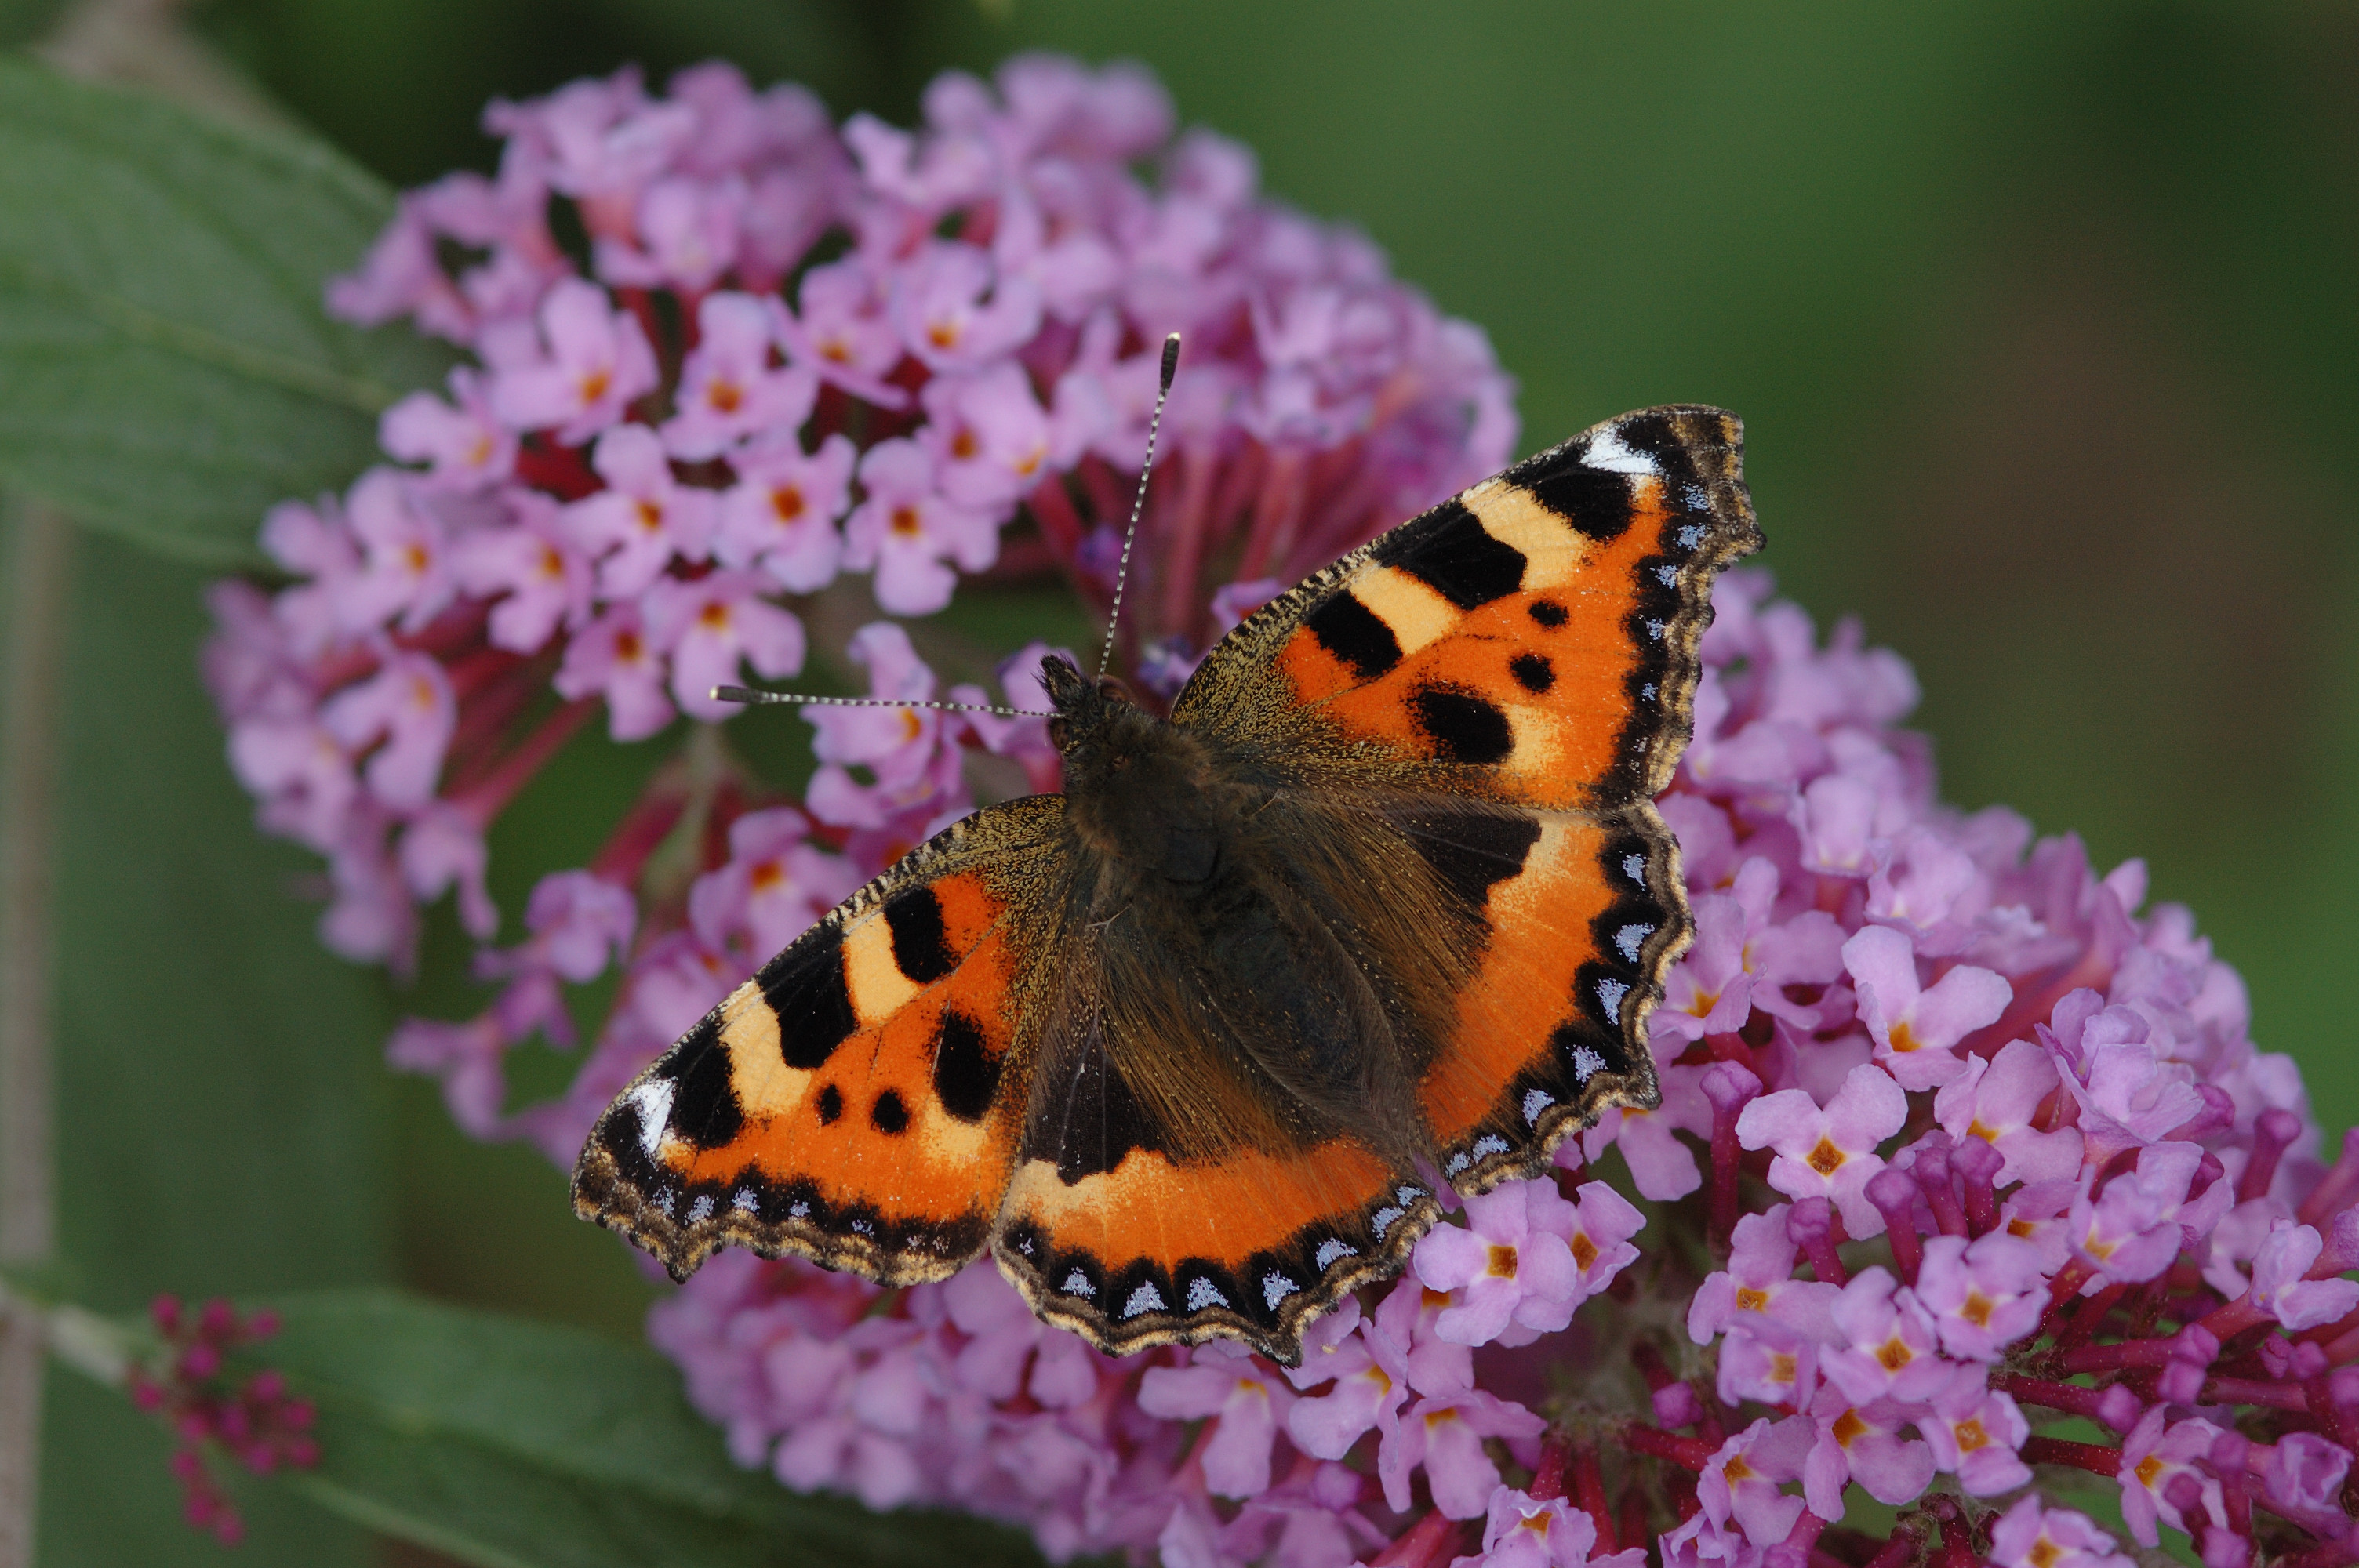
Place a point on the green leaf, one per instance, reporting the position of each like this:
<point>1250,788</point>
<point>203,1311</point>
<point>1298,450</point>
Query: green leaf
<point>166,371</point>
<point>521,1445</point>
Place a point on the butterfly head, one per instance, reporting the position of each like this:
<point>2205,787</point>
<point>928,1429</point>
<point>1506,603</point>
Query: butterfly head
<point>1113,750</point>
<point>1085,709</point>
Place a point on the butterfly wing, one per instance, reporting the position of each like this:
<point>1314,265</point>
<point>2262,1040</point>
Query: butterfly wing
<point>858,1102</point>
<point>1509,678</point>
<point>1207,1153</point>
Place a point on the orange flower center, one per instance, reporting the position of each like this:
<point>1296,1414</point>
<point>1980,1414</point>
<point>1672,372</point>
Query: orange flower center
<point>1584,1250</point>
<point>650,515</point>
<point>1971,1436</point>
<point>725,396</point>
<point>1503,1262</point>
<point>595,385</point>
<point>1826,1159</point>
<point>963,445</point>
<point>1977,1310</point>
<point>1847,1426</point>
<point>1895,1353</point>
<point>765,876</point>
<point>905,522</point>
<point>787,501</point>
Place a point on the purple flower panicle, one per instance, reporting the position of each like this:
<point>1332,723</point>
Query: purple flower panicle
<point>1959,1140</point>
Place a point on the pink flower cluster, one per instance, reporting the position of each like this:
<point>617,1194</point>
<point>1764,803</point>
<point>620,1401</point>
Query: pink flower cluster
<point>256,1423</point>
<point>1975,1145</point>
<point>796,364</point>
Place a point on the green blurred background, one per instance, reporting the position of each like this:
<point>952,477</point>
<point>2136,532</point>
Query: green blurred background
<point>2038,316</point>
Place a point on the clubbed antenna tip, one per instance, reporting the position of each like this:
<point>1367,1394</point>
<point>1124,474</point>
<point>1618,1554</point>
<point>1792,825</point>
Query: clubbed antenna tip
<point>1138,501</point>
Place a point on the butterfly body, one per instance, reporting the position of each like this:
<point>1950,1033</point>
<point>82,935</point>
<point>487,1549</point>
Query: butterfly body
<point>1192,1046</point>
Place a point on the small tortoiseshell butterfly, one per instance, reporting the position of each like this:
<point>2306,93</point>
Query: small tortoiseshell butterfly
<point>1383,904</point>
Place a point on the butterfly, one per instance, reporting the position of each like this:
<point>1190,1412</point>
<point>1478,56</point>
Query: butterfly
<point>1193,1048</point>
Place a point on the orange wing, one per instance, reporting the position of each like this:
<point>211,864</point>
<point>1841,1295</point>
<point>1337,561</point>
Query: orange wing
<point>858,1101</point>
<point>1171,1185</point>
<point>1527,648</point>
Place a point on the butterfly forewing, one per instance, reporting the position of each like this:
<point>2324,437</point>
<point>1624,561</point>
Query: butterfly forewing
<point>858,1101</point>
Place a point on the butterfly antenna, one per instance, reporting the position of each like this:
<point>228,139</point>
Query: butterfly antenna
<point>752,697</point>
<point>1138,502</point>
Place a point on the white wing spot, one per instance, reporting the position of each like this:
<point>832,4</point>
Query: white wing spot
<point>1490,1143</point>
<point>1648,691</point>
<point>745,1201</point>
<point>1457,1162</point>
<point>1535,1102</point>
<point>1333,1249</point>
<point>664,1199</point>
<point>1611,993</point>
<point>1276,1287</point>
<point>1634,868</point>
<point>801,1211</point>
<point>1587,1064</point>
<point>1655,629</point>
<point>1147,1298</point>
<point>1668,575</point>
<point>1630,938</point>
<point>1692,535</point>
<point>1383,1219</point>
<point>1697,500</point>
<point>1025,1246</point>
<point>1408,1194</point>
<point>1203,1293</point>
<point>652,1100</point>
<point>1608,451</point>
<point>702,1209</point>
<point>1077,1284</point>
<point>862,1228</point>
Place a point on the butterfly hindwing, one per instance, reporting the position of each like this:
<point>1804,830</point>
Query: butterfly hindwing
<point>857,1102</point>
<point>1207,1153</point>
<point>1581,919</point>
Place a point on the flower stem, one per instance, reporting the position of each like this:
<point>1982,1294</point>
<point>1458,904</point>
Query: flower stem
<point>2093,1457</point>
<point>1688,1453</point>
